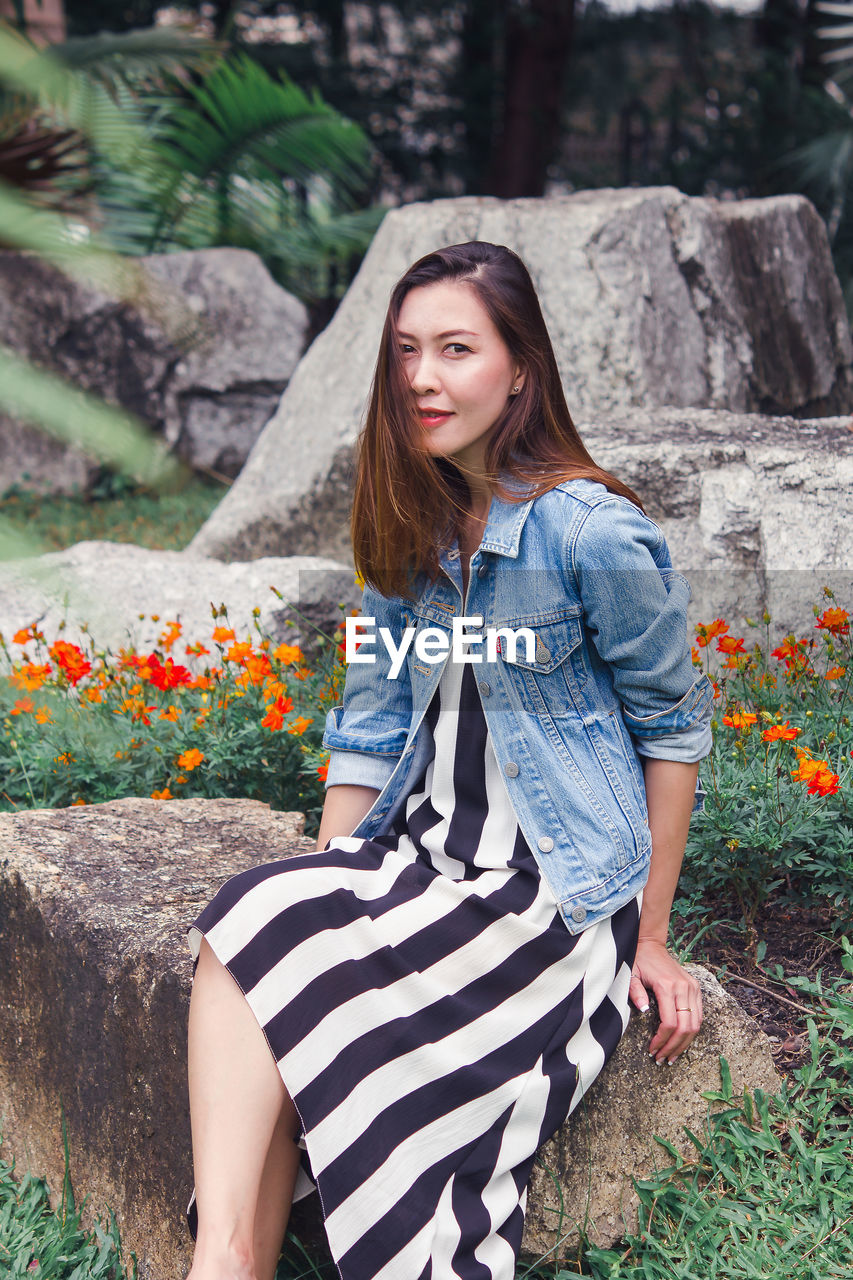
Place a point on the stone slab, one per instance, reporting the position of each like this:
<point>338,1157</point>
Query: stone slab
<point>94,983</point>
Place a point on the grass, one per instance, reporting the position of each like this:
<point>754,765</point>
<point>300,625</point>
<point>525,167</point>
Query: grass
<point>41,1243</point>
<point>114,512</point>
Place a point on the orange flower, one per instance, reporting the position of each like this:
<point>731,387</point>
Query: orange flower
<point>728,644</point>
<point>168,637</point>
<point>71,660</point>
<point>299,725</point>
<point>94,695</point>
<point>22,637</point>
<point>31,676</point>
<point>258,667</point>
<point>781,732</point>
<point>65,758</point>
<point>23,707</point>
<point>196,650</point>
<point>695,655</point>
<point>200,682</point>
<point>323,771</point>
<point>43,716</point>
<point>836,673</point>
<point>79,800</point>
<point>718,693</point>
<point>835,621</point>
<point>706,632</point>
<point>221,635</point>
<point>740,720</point>
<point>824,783</point>
<point>287,654</point>
<point>165,794</point>
<point>171,713</point>
<point>238,652</point>
<point>190,760</point>
<point>274,718</point>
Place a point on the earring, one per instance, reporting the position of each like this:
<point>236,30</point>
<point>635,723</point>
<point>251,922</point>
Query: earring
<point>516,390</point>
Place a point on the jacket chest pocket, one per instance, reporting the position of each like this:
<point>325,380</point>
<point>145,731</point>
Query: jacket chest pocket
<point>548,672</point>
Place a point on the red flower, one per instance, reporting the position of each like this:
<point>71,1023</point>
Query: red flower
<point>71,660</point>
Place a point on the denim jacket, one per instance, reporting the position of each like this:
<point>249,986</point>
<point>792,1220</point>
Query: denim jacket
<point>606,678</point>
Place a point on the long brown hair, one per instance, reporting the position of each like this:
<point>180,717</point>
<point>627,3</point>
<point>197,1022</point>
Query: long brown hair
<point>408,504</point>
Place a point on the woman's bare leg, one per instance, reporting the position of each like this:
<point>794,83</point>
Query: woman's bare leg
<point>276,1196</point>
<point>238,1106</point>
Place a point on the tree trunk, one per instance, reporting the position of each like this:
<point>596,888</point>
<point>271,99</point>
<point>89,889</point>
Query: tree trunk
<point>537,45</point>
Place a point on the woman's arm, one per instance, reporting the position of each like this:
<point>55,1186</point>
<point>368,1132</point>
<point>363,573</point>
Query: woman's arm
<point>670,788</point>
<point>343,810</point>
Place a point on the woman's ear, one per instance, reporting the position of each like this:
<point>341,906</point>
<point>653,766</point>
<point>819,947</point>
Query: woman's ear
<point>518,381</point>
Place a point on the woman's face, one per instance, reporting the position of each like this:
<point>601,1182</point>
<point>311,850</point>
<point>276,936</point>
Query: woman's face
<point>459,368</point>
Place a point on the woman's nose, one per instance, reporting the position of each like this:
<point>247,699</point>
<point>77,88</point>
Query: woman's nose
<point>423,376</point>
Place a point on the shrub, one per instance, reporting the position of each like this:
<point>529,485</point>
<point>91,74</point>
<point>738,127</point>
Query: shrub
<point>235,716</point>
<point>777,814</point>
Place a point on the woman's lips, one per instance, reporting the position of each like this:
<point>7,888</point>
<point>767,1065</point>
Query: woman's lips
<point>433,417</point>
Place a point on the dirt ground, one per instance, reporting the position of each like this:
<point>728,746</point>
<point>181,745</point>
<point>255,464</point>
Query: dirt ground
<point>802,941</point>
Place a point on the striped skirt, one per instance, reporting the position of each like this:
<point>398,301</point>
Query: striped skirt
<point>432,1018</point>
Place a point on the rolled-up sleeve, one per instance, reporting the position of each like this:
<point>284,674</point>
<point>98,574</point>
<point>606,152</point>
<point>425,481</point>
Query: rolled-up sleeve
<point>366,735</point>
<point>635,608</point>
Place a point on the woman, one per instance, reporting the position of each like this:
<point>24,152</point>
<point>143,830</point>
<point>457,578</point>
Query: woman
<point>423,1002</point>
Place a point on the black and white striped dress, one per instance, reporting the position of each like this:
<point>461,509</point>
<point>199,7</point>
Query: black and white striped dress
<point>432,1018</point>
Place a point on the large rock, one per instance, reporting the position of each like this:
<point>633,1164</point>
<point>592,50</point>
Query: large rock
<point>202,355</point>
<point>651,298</point>
<point>94,981</point>
<point>113,588</point>
<point>756,509</point>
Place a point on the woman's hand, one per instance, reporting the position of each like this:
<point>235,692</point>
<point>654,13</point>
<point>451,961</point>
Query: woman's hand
<point>678,995</point>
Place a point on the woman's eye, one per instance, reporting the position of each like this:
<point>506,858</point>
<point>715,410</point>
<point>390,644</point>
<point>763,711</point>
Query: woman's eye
<point>406,349</point>
<point>457,348</point>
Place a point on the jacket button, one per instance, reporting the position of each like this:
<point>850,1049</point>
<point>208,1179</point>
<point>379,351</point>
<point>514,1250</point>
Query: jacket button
<point>543,654</point>
<point>579,914</point>
<point>485,688</point>
<point>545,843</point>
<point>511,769</point>
<point>483,570</point>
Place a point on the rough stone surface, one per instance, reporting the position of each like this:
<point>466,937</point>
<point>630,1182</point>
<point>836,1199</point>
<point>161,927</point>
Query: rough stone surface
<point>202,356</point>
<point>109,584</point>
<point>651,298</point>
<point>94,981</point>
<point>610,1139</point>
<point>756,510</point>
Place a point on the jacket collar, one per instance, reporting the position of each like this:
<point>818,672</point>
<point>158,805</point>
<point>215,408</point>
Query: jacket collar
<point>504,525</point>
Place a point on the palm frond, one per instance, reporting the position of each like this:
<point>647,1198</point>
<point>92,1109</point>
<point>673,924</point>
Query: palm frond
<point>141,57</point>
<point>241,117</point>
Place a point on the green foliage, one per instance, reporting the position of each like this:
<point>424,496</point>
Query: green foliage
<point>37,1241</point>
<point>777,815</point>
<point>79,725</point>
<point>114,510</point>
